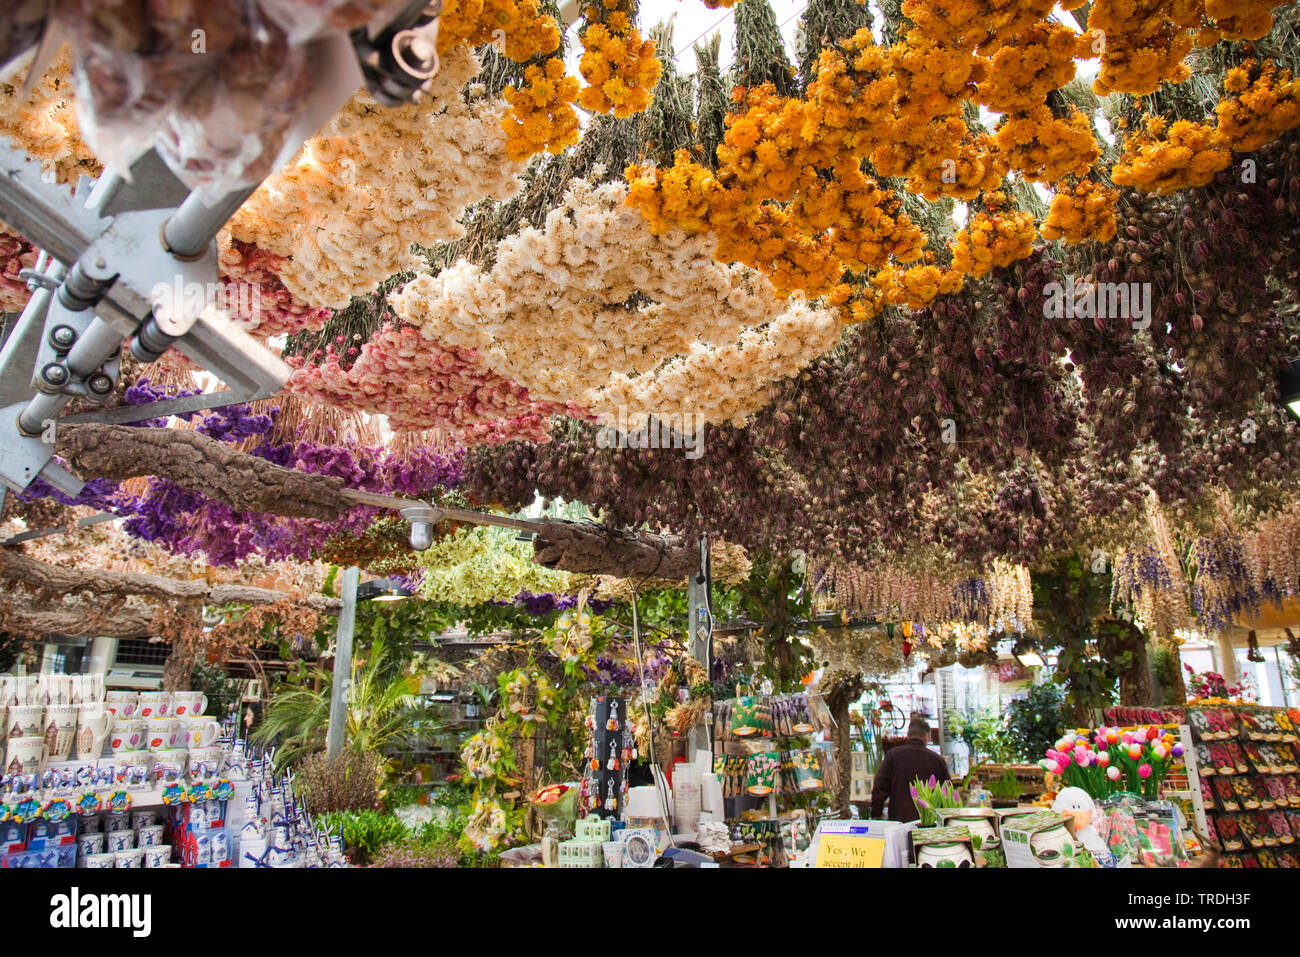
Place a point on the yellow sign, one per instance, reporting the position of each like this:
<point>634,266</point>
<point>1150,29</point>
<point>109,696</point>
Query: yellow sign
<point>850,850</point>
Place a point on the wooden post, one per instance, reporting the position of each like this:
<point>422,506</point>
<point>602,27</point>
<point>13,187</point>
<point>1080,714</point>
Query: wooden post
<point>342,664</point>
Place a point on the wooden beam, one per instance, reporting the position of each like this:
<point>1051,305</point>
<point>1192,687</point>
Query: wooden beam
<point>17,568</point>
<point>193,461</point>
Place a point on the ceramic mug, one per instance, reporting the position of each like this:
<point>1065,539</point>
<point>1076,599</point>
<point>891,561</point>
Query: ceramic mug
<point>145,818</point>
<point>116,822</point>
<point>60,730</point>
<point>188,704</point>
<point>200,731</point>
<point>613,853</point>
<point>159,855</point>
<point>120,841</point>
<point>25,755</point>
<point>163,734</point>
<point>92,729</point>
<point>89,844</point>
<point>127,735</point>
<point>135,759</point>
<point>950,854</point>
<point>101,860</point>
<point>177,758</point>
<point>122,704</point>
<point>155,704</point>
<point>150,836</point>
<point>24,721</point>
<point>129,858</point>
<point>205,763</point>
<point>53,689</point>
<point>1048,846</point>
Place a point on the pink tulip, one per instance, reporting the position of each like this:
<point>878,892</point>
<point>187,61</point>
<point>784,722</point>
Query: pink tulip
<point>1144,771</point>
<point>1051,766</point>
<point>1081,756</point>
<point>1112,773</point>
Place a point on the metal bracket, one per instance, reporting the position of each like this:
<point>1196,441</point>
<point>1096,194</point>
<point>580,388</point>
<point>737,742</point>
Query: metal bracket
<point>85,522</point>
<point>108,275</point>
<point>126,414</point>
<point>399,60</point>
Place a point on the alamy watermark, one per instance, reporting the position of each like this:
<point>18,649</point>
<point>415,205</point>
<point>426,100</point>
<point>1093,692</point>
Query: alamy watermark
<point>76,910</point>
<point>191,298</point>
<point>654,430</point>
<point>1075,299</point>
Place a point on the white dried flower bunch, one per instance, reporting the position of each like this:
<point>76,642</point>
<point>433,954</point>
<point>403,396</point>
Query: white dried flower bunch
<point>375,180</point>
<point>44,122</point>
<point>596,310</point>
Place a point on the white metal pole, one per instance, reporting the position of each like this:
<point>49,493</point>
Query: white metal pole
<point>342,663</point>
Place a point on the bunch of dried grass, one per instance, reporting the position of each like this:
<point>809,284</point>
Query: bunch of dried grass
<point>347,782</point>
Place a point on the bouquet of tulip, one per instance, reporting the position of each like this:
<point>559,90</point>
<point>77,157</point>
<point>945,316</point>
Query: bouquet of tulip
<point>930,796</point>
<point>1111,760</point>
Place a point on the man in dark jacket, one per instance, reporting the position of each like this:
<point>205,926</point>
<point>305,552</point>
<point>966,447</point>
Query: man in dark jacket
<point>900,767</point>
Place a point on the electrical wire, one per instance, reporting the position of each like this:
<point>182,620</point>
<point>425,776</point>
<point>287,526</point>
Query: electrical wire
<point>730,12</point>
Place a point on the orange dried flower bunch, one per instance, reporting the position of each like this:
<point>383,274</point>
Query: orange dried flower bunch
<point>541,115</point>
<point>1145,42</point>
<point>1264,103</point>
<point>932,79</point>
<point>865,223</point>
<point>917,286</point>
<point>528,32</point>
<point>793,260</point>
<point>943,159</point>
<point>768,149</point>
<point>851,99</point>
<point>620,68</point>
<point>1163,157</point>
<point>1046,148</point>
<point>1236,20</point>
<point>857,303</point>
<point>993,238</point>
<point>1040,60</point>
<point>1082,213</point>
<point>978,24</point>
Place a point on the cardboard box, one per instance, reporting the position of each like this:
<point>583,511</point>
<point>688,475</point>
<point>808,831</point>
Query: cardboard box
<point>1042,839</point>
<point>948,846</point>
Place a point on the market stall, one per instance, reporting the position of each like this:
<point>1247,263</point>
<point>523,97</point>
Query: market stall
<point>556,446</point>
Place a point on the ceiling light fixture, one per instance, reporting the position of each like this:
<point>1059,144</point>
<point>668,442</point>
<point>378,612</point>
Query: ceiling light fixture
<point>1290,386</point>
<point>1027,652</point>
<point>383,589</point>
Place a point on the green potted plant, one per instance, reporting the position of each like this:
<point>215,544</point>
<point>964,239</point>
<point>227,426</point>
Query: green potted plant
<point>1005,789</point>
